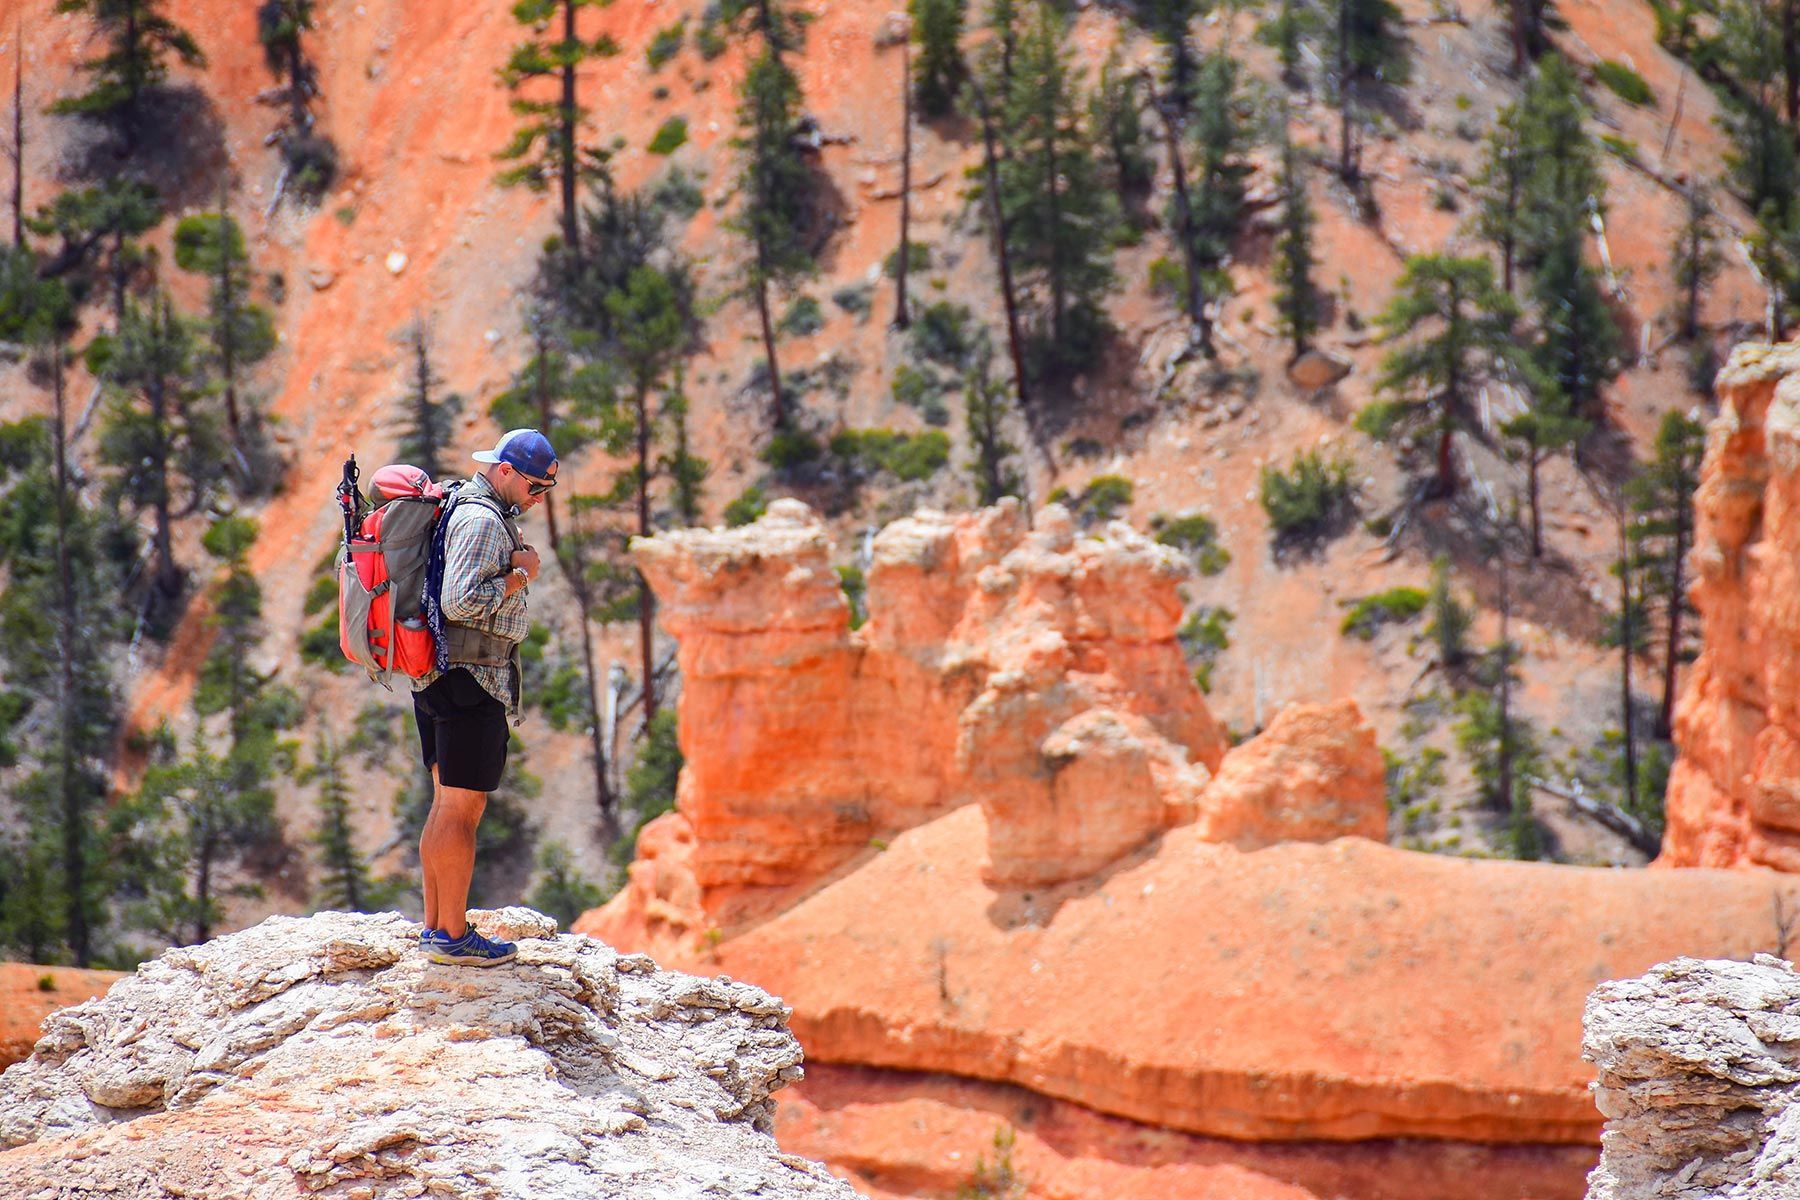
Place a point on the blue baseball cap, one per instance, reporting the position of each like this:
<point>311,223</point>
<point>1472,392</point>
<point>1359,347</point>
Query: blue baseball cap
<point>524,450</point>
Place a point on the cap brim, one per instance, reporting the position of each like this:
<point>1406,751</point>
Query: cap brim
<point>486,456</point>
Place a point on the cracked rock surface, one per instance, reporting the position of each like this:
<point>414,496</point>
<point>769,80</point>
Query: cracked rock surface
<point>325,1056</point>
<point>1699,1065</point>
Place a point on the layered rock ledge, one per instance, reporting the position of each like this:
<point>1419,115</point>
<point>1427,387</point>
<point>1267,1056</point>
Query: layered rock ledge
<point>1699,1067</point>
<point>326,1056</point>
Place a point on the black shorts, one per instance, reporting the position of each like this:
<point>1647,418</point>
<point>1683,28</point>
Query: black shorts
<point>462,729</point>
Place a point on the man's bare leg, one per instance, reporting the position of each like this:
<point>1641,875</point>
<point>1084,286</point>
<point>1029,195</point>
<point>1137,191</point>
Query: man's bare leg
<point>447,857</point>
<point>426,873</point>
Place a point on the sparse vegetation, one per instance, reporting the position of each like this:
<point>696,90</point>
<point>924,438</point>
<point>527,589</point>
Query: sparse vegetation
<point>1196,535</point>
<point>1392,607</point>
<point>1623,82</point>
<point>670,136</point>
<point>1312,498</point>
<point>910,457</point>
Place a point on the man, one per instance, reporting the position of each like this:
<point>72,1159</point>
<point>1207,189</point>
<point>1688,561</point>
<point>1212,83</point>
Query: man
<point>462,706</point>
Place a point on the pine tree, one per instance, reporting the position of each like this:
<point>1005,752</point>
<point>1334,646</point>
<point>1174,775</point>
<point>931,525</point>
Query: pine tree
<point>1221,138</point>
<point>776,186</point>
<point>1296,295</point>
<point>1544,429</point>
<point>1662,531</point>
<point>16,150</point>
<point>1774,247</point>
<point>685,470</point>
<point>1433,379</point>
<point>345,883</point>
<point>1529,23</point>
<point>938,71</point>
<point>429,414</point>
<point>1695,260</point>
<point>992,468</point>
<point>281,26</point>
<point>1286,30</point>
<point>97,229</point>
<point>1170,24</point>
<point>547,144</point>
<point>1057,212</point>
<point>1450,620</point>
<point>139,39</point>
<point>1367,50</point>
<point>238,332</point>
<point>1578,344</point>
<point>562,891</point>
<point>59,621</point>
<point>1563,183</point>
<point>566,401</point>
<point>212,806</point>
<point>152,433</point>
<point>998,227</point>
<point>1500,188</point>
<point>1115,114</point>
<point>653,330</point>
<point>1002,23</point>
<point>1627,629</point>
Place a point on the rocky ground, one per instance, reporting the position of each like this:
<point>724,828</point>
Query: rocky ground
<point>327,1055</point>
<point>1697,1080</point>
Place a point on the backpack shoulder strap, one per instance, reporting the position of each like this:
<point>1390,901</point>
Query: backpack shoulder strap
<point>455,494</point>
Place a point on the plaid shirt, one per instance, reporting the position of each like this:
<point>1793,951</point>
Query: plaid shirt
<point>477,555</point>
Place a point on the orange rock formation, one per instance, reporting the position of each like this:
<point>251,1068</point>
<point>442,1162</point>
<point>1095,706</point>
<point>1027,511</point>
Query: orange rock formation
<point>1734,792</point>
<point>992,834</point>
<point>1027,669</point>
<point>1313,775</point>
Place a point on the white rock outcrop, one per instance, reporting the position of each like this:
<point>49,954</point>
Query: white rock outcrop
<point>1699,1065</point>
<point>325,1055</point>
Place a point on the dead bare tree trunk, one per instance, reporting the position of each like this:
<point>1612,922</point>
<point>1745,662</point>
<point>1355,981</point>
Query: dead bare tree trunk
<point>901,319</point>
<point>997,218</point>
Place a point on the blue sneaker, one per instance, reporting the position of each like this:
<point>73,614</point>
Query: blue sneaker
<point>430,937</point>
<point>469,950</point>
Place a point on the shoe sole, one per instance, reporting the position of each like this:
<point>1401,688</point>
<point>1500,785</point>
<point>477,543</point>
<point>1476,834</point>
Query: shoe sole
<point>468,960</point>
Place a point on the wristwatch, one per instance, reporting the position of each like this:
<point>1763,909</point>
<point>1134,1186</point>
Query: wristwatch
<point>524,576</point>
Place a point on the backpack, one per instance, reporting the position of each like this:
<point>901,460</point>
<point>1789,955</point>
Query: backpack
<point>381,569</point>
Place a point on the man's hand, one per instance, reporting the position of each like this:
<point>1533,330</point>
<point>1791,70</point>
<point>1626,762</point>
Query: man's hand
<point>527,559</point>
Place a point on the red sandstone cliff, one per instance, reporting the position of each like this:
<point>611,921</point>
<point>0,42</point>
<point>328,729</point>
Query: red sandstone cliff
<point>1734,792</point>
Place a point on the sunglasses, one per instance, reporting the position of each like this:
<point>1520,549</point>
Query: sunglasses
<point>534,486</point>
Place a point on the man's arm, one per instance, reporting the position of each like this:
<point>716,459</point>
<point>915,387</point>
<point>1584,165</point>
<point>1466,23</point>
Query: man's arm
<point>477,576</point>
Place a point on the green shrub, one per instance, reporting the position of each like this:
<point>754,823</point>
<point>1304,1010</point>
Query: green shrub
<point>855,589</point>
<point>1105,495</point>
<point>1384,608</point>
<point>1310,497</point>
<point>941,333</point>
<point>323,592</point>
<point>1624,82</point>
<point>708,40</point>
<point>803,317</point>
<point>790,448</point>
<point>1619,147</point>
<point>747,507</point>
<point>910,456</point>
<point>319,644</point>
<point>670,137</point>
<point>1167,277</point>
<point>856,299</point>
<point>1450,620</point>
<point>1378,419</point>
<point>666,44</point>
<point>562,891</point>
<point>1197,535</point>
<point>1204,636</point>
<point>923,391</point>
<point>918,258</point>
<point>677,194</point>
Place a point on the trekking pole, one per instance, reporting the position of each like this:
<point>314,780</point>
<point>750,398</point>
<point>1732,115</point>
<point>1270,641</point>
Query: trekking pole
<point>349,499</point>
